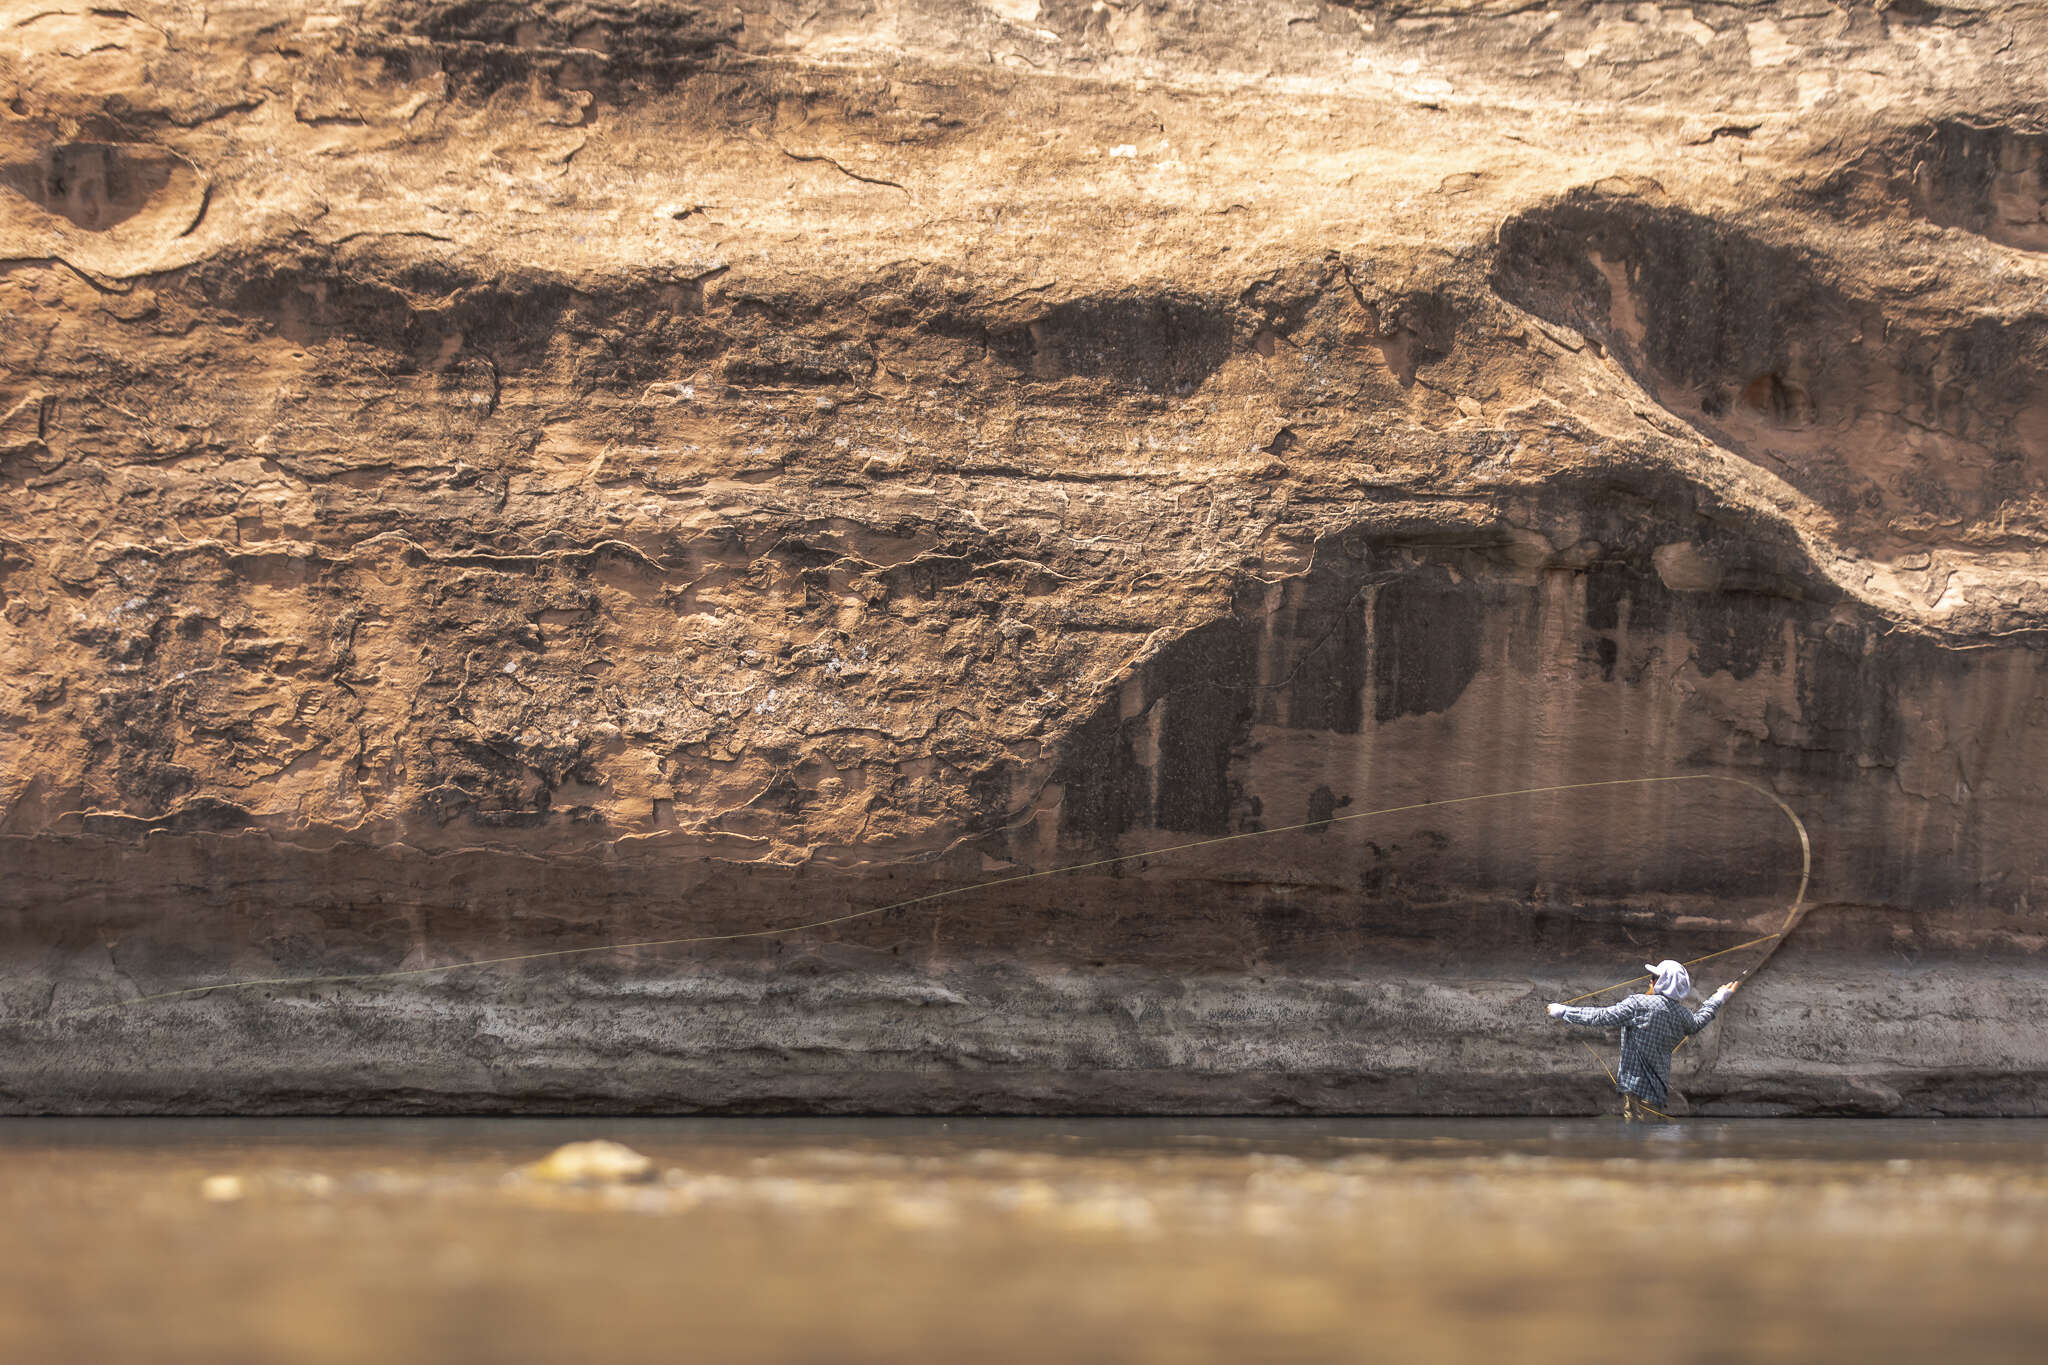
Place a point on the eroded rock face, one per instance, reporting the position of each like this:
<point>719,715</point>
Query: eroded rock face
<point>484,481</point>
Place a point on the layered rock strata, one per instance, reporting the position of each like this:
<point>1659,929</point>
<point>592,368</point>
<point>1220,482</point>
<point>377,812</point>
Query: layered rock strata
<point>484,480</point>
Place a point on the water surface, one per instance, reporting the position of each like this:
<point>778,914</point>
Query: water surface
<point>1089,1240</point>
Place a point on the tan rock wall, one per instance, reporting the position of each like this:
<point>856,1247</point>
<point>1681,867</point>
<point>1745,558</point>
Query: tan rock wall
<point>490,479</point>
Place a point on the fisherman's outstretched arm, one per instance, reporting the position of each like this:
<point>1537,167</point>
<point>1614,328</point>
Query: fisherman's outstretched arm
<point>1705,1014</point>
<point>1612,1016</point>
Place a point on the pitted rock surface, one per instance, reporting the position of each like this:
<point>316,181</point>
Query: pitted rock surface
<point>485,479</point>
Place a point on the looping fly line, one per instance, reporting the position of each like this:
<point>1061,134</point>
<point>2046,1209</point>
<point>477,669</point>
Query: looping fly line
<point>362,978</point>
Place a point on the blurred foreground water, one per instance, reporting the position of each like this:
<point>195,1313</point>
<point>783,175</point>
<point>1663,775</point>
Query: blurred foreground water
<point>816,1241</point>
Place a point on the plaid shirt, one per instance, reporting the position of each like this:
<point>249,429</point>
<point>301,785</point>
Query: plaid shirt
<point>1652,1027</point>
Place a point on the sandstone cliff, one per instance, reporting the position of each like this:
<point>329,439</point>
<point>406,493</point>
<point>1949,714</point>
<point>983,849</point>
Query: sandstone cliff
<point>481,479</point>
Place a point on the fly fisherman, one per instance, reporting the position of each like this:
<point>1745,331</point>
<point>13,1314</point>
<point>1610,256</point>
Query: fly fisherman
<point>1652,1026</point>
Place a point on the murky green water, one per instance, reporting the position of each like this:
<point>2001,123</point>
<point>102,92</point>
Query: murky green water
<point>1093,1240</point>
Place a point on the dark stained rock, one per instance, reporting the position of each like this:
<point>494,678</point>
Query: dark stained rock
<point>491,481</point>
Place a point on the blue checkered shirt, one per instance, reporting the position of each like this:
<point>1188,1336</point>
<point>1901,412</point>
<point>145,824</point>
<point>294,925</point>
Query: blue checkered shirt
<point>1652,1027</point>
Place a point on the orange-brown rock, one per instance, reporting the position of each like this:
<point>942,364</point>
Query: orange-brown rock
<point>483,479</point>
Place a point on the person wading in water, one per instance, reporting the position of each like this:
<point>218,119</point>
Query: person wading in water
<point>1652,1026</point>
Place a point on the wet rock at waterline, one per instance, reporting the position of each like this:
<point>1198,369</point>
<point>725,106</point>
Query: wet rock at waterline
<point>595,1161</point>
<point>487,483</point>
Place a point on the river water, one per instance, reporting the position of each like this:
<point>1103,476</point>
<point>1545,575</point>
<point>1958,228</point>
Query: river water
<point>826,1241</point>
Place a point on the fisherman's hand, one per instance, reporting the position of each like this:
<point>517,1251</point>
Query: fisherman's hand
<point>1730,988</point>
<point>1555,1010</point>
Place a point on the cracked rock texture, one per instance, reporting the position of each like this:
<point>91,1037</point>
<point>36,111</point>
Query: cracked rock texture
<point>485,479</point>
